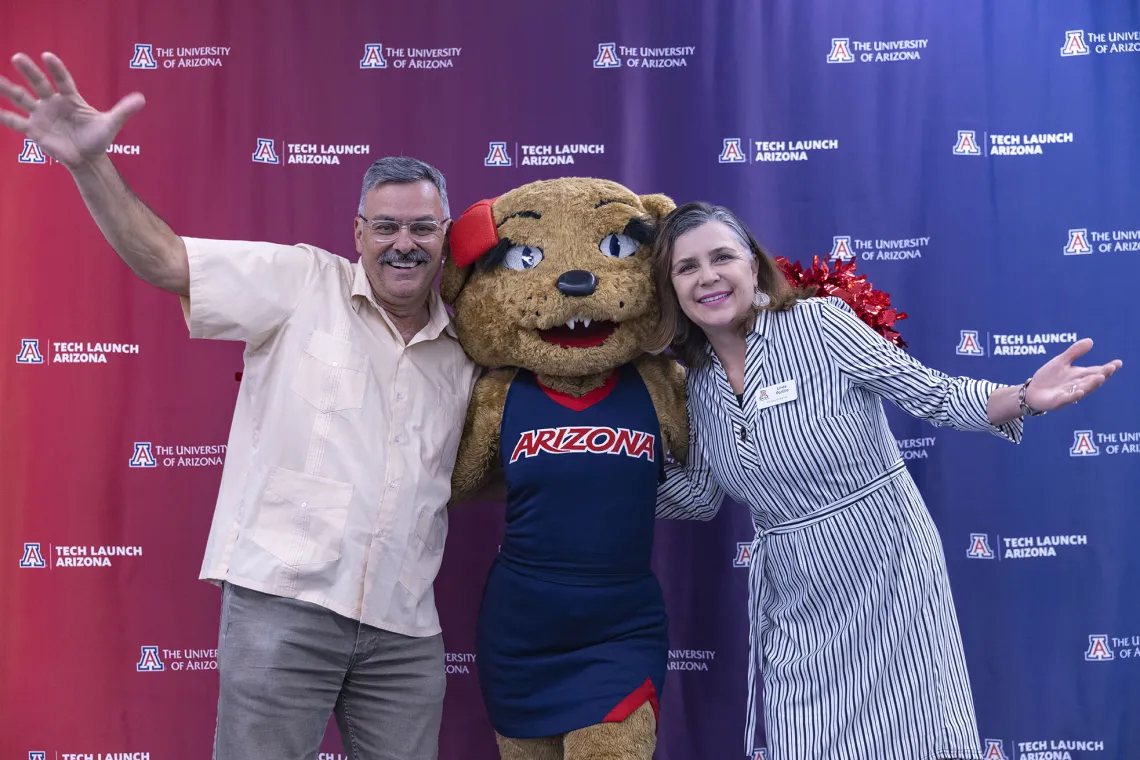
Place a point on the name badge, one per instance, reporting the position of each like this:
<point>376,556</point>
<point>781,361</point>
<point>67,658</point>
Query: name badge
<point>776,394</point>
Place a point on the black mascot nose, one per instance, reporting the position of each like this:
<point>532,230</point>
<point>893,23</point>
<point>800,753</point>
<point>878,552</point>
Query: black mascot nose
<point>577,282</point>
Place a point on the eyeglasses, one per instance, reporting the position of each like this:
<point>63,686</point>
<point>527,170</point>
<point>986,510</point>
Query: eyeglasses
<point>387,230</point>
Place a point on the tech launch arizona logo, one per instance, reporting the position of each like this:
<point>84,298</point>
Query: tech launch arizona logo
<point>732,150</point>
<point>500,152</point>
<point>305,153</point>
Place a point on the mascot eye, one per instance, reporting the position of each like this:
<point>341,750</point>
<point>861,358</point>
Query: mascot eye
<point>522,257</point>
<point>618,246</point>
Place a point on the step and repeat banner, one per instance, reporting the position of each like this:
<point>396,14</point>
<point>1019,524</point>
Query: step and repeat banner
<point>978,161</point>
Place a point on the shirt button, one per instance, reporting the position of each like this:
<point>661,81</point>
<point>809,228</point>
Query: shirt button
<point>399,439</point>
<point>400,396</point>
<point>394,484</point>
<point>336,364</point>
<point>304,504</point>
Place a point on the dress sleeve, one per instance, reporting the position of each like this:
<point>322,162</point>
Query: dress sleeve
<point>873,363</point>
<point>690,491</point>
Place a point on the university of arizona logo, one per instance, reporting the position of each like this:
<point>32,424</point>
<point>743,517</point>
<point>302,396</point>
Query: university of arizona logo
<point>840,51</point>
<point>29,352</point>
<point>993,750</point>
<point>1098,650</point>
<point>979,546</point>
<point>1083,445</point>
<point>759,754</point>
<point>841,248</point>
<point>33,558</point>
<point>731,152</point>
<point>1074,44</point>
<point>607,56</point>
<point>37,755</point>
<point>743,556</point>
<point>149,661</point>
<point>583,440</point>
<point>497,155</point>
<point>967,144</point>
<point>969,345</point>
<point>265,153</point>
<point>31,153</point>
<point>142,456</point>
<point>143,57</point>
<point>1078,242</point>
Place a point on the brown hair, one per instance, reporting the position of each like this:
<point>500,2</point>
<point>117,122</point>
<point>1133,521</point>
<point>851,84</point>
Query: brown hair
<point>675,330</point>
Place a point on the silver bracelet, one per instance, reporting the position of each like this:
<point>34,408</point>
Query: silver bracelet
<point>1026,409</point>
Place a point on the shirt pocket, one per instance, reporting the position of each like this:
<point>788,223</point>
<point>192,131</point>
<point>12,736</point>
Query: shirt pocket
<point>301,518</point>
<point>331,374</point>
<point>425,552</point>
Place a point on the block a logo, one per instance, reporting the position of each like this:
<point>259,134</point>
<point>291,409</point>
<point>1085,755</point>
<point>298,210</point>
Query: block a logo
<point>1083,445</point>
<point>841,248</point>
<point>143,57</point>
<point>29,352</point>
<point>969,345</point>
<point>142,456</point>
<point>840,51</point>
<point>149,661</point>
<point>1098,650</point>
<point>31,153</point>
<point>607,56</point>
<point>373,56</point>
<point>33,558</point>
<point>993,750</point>
<point>731,152</point>
<point>34,755</point>
<point>497,155</point>
<point>743,556</point>
<point>1074,44</point>
<point>759,754</point>
<point>980,547</point>
<point>967,144</point>
<point>265,153</point>
<point>1078,242</point>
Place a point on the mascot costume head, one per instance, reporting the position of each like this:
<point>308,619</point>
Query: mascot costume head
<point>552,289</point>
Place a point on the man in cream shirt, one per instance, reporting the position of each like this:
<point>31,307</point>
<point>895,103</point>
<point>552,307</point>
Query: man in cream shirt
<point>331,518</point>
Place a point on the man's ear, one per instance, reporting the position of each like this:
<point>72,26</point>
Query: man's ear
<point>658,206</point>
<point>452,278</point>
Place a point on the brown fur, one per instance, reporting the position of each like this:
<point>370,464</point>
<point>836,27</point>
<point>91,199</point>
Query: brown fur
<point>635,738</point>
<point>498,313</point>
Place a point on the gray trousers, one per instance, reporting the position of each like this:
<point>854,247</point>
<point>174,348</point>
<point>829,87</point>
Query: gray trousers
<point>286,666</point>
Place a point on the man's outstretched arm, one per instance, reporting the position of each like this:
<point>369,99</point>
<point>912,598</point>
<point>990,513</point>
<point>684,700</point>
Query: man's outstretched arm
<point>73,133</point>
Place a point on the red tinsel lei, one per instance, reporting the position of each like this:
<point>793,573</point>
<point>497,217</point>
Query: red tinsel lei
<point>839,279</point>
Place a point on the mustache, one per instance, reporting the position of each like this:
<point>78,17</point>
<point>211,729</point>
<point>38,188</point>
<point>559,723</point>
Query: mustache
<point>416,256</point>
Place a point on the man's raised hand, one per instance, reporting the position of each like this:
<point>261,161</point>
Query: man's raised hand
<point>58,119</point>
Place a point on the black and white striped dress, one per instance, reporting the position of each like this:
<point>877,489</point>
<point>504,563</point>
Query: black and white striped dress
<point>852,620</point>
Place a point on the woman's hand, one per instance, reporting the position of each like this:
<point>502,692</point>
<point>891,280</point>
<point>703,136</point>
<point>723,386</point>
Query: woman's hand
<point>1059,383</point>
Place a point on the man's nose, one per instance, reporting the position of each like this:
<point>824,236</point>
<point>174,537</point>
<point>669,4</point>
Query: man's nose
<point>403,242</point>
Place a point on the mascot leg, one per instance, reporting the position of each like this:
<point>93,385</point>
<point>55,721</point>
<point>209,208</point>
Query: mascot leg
<point>634,738</point>
<point>548,748</point>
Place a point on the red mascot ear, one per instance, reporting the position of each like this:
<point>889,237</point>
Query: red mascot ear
<point>473,233</point>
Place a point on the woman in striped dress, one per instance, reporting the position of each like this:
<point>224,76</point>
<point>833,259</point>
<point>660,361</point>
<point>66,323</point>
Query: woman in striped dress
<point>851,617</point>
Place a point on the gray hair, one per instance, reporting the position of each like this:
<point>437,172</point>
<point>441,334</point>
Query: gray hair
<point>694,215</point>
<point>402,170</point>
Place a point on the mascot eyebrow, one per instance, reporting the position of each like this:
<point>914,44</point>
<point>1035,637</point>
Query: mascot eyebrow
<point>636,228</point>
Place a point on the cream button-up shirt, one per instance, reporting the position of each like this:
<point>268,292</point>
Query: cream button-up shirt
<point>343,441</point>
